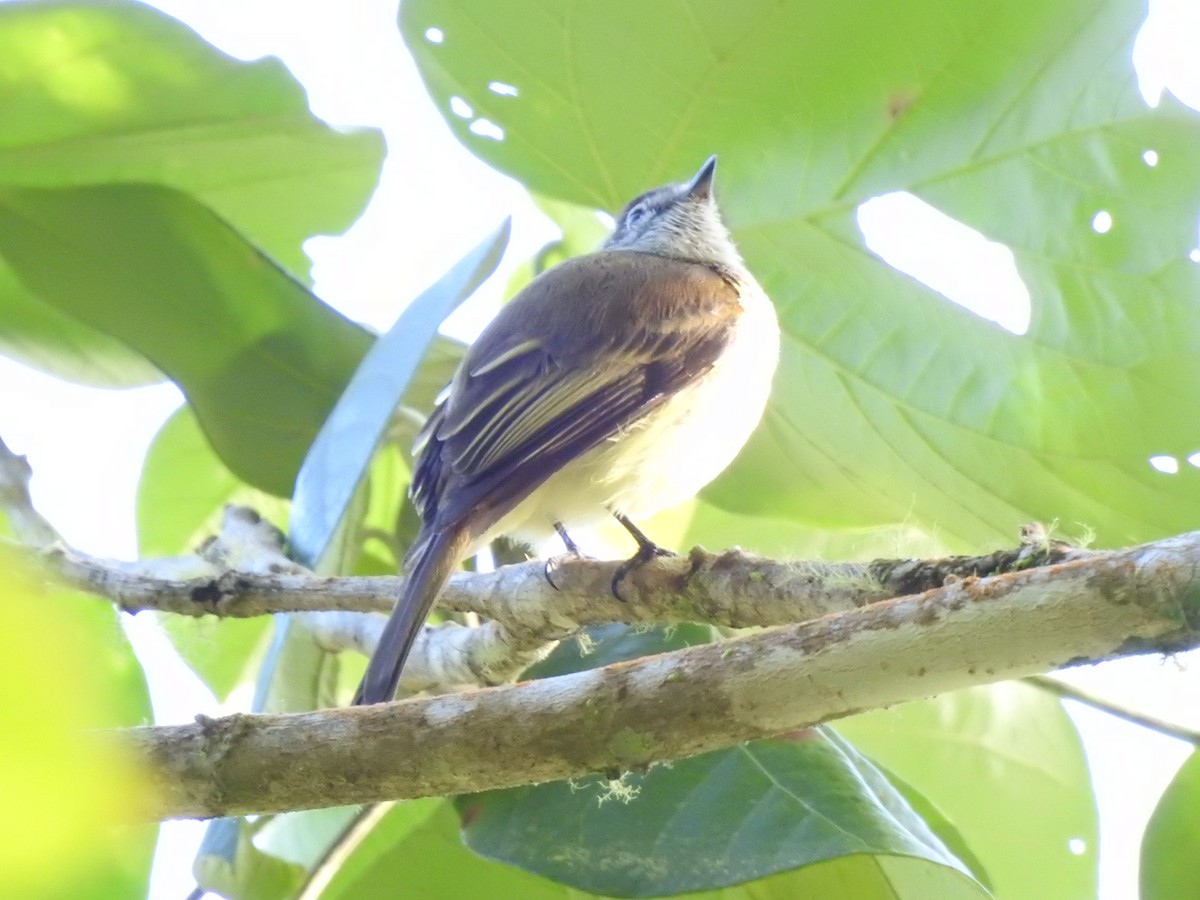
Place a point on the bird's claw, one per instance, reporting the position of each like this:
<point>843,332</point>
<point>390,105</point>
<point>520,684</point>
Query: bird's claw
<point>554,563</point>
<point>645,553</point>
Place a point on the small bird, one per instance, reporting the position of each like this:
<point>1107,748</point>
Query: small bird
<point>616,383</point>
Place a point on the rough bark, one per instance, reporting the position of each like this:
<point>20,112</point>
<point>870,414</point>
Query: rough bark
<point>630,715</point>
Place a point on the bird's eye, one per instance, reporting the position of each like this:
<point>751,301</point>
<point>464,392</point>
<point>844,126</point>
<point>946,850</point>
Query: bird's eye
<point>635,215</point>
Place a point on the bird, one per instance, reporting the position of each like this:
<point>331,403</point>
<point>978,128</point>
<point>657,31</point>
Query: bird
<point>619,382</point>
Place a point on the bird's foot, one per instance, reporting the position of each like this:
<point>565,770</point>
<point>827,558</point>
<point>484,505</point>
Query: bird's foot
<point>555,562</point>
<point>646,551</point>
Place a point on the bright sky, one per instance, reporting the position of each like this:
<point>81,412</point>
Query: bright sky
<point>435,201</point>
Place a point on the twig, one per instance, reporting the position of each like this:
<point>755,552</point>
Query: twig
<point>1070,692</point>
<point>27,523</point>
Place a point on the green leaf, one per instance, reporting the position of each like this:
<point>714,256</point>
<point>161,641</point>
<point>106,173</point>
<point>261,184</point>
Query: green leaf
<point>101,92</point>
<point>39,335</point>
<point>430,862</point>
<point>416,848</point>
<point>1169,866</point>
<point>220,651</point>
<point>297,674</point>
<point>334,492</point>
<point>601,645</point>
<point>228,864</point>
<point>182,491</point>
<point>338,459</point>
<point>582,232</point>
<point>714,527</point>
<point>1004,764</point>
<point>375,850</point>
<point>708,821</point>
<point>1021,119</point>
<point>259,358</point>
<point>863,878</point>
<point>304,837</point>
<point>184,487</point>
<point>941,826</point>
<point>66,670</point>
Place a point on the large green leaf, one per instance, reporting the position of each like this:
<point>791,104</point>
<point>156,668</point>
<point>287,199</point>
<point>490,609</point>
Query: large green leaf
<point>1004,764</point>
<point>101,92</point>
<point>711,821</point>
<point>715,527</point>
<point>260,359</point>
<point>40,335</point>
<point>1021,119</point>
<point>601,645</point>
<point>705,822</point>
<point>429,861</point>
<point>1169,866</point>
<point>184,487</point>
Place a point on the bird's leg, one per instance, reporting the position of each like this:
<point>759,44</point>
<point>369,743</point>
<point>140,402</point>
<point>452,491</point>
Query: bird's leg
<point>646,551</point>
<point>572,547</point>
<point>573,552</point>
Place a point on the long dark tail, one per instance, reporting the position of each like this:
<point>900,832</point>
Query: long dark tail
<point>433,564</point>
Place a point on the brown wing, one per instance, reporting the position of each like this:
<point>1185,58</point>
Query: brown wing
<point>587,348</point>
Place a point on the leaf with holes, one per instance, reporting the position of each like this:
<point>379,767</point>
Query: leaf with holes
<point>1021,120</point>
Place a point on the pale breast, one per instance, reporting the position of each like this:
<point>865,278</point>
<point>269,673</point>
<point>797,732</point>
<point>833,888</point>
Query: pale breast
<point>668,456</point>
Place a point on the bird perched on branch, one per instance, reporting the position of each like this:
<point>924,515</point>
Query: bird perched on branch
<point>616,383</point>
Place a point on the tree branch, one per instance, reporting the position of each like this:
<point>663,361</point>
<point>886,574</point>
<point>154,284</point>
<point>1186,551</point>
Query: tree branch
<point>26,522</point>
<point>858,653</point>
<point>733,588</point>
<point>630,715</point>
<point>243,571</point>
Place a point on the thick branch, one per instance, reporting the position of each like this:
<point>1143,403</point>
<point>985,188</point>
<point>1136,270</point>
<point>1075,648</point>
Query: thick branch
<point>630,715</point>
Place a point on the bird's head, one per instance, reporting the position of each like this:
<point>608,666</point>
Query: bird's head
<point>678,220</point>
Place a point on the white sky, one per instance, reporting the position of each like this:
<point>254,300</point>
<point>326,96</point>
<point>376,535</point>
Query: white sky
<point>434,202</point>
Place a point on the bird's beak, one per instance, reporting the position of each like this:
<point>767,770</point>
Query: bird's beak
<point>701,183</point>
